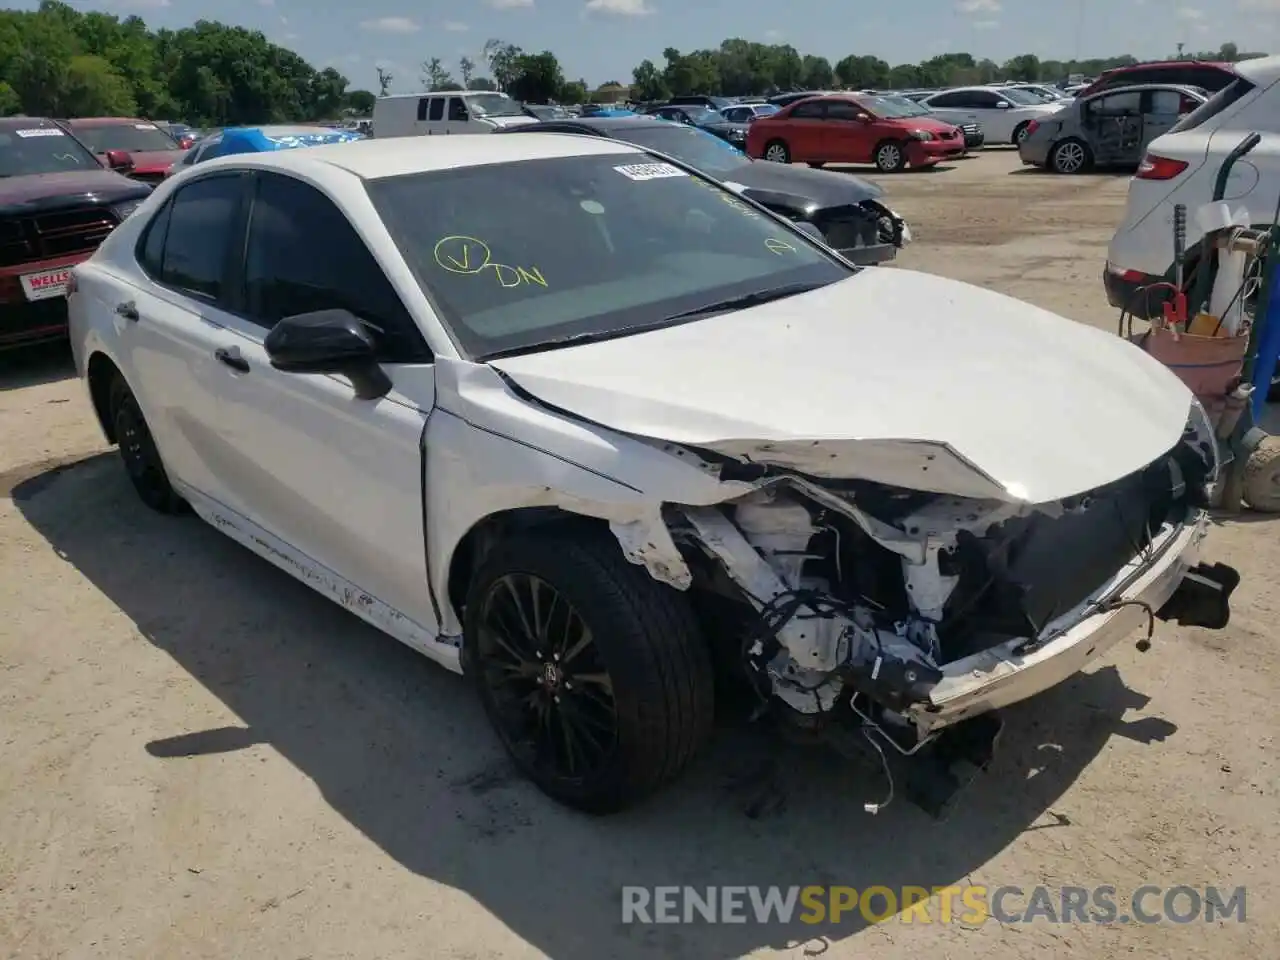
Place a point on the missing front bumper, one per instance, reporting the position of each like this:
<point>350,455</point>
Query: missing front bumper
<point>1016,670</point>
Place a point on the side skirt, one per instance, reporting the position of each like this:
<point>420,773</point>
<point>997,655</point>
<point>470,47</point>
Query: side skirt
<point>443,650</point>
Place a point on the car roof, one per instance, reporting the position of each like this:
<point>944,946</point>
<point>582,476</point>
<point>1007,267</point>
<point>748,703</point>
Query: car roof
<point>1140,87</point>
<point>106,121</point>
<point>396,156</point>
<point>1261,71</point>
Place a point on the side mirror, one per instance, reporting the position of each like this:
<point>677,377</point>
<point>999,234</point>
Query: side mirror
<point>328,341</point>
<point>119,160</point>
<point>1002,105</point>
<point>863,118</point>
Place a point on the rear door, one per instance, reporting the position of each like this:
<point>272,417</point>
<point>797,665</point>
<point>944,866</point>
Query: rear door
<point>171,326</point>
<point>1115,123</point>
<point>807,131</point>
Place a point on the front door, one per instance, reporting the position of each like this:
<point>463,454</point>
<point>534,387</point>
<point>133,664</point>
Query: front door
<point>807,131</point>
<point>459,117</point>
<point>338,478</point>
<point>849,139</point>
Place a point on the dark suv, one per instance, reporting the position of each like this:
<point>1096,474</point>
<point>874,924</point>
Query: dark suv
<point>1207,75</point>
<point>57,203</point>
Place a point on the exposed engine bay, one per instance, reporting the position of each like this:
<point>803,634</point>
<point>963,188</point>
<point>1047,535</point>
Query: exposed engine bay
<point>860,595</point>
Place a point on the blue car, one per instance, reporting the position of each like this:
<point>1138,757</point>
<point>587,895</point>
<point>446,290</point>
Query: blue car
<point>234,140</point>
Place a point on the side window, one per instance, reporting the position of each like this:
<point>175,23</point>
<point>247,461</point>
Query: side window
<point>1207,78</point>
<point>458,109</point>
<point>437,108</point>
<point>842,110</point>
<point>953,100</point>
<point>424,104</point>
<point>202,217</point>
<point>1220,101</point>
<point>288,273</point>
<point>150,250</point>
<point>1119,104</point>
<point>1164,103</point>
<point>808,111</point>
<point>985,100</point>
<point>738,115</point>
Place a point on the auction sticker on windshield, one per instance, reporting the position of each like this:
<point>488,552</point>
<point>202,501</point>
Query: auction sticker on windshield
<point>650,171</point>
<point>47,284</point>
<point>39,132</point>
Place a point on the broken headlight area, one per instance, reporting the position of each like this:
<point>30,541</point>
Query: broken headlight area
<point>856,598</point>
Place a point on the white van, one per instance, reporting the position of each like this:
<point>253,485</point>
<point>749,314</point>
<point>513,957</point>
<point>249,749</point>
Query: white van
<point>1181,167</point>
<point>458,111</point>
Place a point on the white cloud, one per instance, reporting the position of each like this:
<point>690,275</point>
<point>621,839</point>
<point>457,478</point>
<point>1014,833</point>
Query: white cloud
<point>291,36</point>
<point>772,34</point>
<point>509,4</point>
<point>978,6</point>
<point>621,8</point>
<point>986,24</point>
<point>390,25</point>
<point>455,26</point>
<point>1189,14</point>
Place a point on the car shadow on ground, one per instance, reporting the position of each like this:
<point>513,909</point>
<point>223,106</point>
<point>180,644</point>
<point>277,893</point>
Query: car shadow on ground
<point>1108,173</point>
<point>36,365</point>
<point>401,749</point>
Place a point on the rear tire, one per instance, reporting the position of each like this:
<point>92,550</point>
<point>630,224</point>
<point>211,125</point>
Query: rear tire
<point>1071,156</point>
<point>1261,487</point>
<point>565,640</point>
<point>891,156</point>
<point>777,151</point>
<point>139,453</point>
<point>1020,132</point>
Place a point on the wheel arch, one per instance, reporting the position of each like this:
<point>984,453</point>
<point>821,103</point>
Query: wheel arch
<point>100,372</point>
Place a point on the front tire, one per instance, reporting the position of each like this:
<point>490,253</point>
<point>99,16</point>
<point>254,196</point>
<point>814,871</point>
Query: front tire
<point>777,151</point>
<point>1020,132</point>
<point>595,676</point>
<point>891,156</point>
<point>139,453</point>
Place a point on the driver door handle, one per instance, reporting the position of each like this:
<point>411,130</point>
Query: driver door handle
<point>128,310</point>
<point>231,357</point>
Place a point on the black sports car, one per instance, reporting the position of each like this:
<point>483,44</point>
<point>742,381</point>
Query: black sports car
<point>847,210</point>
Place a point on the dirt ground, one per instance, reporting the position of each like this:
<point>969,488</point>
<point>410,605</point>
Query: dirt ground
<point>200,758</point>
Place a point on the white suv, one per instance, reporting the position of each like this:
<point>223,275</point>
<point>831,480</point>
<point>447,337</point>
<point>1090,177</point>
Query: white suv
<point>1182,167</point>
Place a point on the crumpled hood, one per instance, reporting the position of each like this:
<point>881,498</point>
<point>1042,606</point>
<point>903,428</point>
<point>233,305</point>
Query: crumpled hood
<point>894,376</point>
<point>805,185</point>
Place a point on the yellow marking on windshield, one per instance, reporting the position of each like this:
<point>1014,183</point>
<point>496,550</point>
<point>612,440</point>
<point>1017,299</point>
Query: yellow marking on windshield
<point>779,247</point>
<point>469,257</point>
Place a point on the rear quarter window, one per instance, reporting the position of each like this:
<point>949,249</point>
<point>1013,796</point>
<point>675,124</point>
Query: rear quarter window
<point>1215,105</point>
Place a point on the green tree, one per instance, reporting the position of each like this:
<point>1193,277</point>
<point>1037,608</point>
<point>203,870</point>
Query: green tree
<point>575,91</point>
<point>94,89</point>
<point>537,77</point>
<point>384,81</point>
<point>501,57</point>
<point>467,70</point>
<point>360,101</point>
<point>436,77</point>
<point>817,73</point>
<point>1025,67</point>
<point>649,83</point>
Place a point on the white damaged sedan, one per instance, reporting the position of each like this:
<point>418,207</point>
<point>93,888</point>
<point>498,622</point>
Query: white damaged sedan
<point>611,440</point>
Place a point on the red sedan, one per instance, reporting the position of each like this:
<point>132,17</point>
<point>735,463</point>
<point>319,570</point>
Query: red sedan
<point>842,128</point>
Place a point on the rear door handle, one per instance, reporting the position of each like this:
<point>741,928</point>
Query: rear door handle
<point>231,357</point>
<point>128,310</point>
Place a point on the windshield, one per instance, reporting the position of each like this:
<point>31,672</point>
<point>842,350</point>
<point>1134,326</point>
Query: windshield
<point>1022,97</point>
<point>764,109</point>
<point>893,108</point>
<point>493,105</point>
<point>520,255</point>
<point>703,115</point>
<point>26,151</point>
<point>137,137</point>
<point>694,147</point>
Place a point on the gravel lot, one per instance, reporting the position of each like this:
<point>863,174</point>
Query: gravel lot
<point>201,758</point>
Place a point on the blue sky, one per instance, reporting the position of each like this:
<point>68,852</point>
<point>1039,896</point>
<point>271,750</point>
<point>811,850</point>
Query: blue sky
<point>603,39</point>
